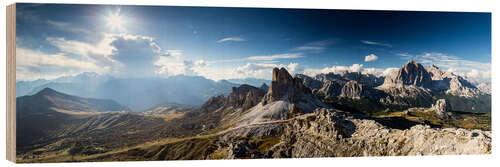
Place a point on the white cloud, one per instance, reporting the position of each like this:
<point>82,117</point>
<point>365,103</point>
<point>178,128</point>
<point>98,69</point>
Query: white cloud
<point>122,54</point>
<point>234,39</point>
<point>92,52</point>
<point>380,71</point>
<point>352,68</point>
<point>371,57</point>
<point>175,65</point>
<point>200,63</point>
<point>405,56</point>
<point>376,43</point>
<point>31,65</point>
<point>64,26</point>
<point>263,70</point>
<point>175,53</point>
<point>317,46</point>
<point>334,69</point>
<point>277,56</point>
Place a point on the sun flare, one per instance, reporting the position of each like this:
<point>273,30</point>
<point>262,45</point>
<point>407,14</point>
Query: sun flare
<point>115,21</point>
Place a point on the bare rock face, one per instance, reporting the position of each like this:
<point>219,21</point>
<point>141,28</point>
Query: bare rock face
<point>213,103</point>
<point>282,76</point>
<point>352,89</point>
<point>368,80</point>
<point>244,96</point>
<point>442,108</point>
<point>287,96</point>
<point>412,73</point>
<point>331,88</point>
<point>284,86</point>
<point>331,133</point>
<point>310,82</point>
<point>451,83</point>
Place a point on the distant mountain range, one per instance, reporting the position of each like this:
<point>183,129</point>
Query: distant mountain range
<point>47,99</point>
<point>138,94</point>
<point>143,93</point>
<point>250,81</point>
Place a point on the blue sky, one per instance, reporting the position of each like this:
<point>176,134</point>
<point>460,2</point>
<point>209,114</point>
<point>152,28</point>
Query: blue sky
<point>224,43</point>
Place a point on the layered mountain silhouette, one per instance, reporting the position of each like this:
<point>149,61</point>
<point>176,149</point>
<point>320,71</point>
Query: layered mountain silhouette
<point>139,94</point>
<point>347,114</point>
<point>47,99</point>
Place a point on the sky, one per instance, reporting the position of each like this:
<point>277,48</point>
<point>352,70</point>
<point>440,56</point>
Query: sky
<point>225,43</point>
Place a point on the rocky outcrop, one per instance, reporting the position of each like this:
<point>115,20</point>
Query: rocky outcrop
<point>213,103</point>
<point>310,82</point>
<point>412,73</point>
<point>442,108</point>
<point>368,80</point>
<point>331,88</point>
<point>244,96</point>
<point>353,90</point>
<point>284,86</point>
<point>332,133</point>
<point>451,83</point>
<point>285,95</point>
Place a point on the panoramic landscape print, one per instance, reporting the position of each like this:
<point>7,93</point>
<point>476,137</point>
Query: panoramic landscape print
<point>140,83</point>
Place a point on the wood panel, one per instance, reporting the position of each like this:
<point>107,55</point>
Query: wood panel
<point>11,82</point>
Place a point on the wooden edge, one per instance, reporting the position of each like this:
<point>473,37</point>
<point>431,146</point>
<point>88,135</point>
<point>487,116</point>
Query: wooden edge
<point>11,82</point>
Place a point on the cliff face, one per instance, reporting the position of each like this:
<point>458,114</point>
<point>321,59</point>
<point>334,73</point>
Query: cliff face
<point>331,88</point>
<point>245,97</point>
<point>283,85</point>
<point>353,89</point>
<point>412,73</point>
<point>287,96</point>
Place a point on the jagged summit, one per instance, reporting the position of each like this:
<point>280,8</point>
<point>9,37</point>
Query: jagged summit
<point>412,73</point>
<point>285,95</point>
<point>245,96</point>
<point>281,75</point>
<point>283,85</point>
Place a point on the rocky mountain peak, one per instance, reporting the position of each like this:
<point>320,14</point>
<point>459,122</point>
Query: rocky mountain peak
<point>352,89</point>
<point>412,73</point>
<point>310,82</point>
<point>331,88</point>
<point>245,96</point>
<point>284,85</point>
<point>281,75</point>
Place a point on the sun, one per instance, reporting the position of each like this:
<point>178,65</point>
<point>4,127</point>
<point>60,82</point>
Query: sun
<point>115,21</point>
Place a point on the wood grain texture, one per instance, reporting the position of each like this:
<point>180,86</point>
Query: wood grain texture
<point>11,82</point>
